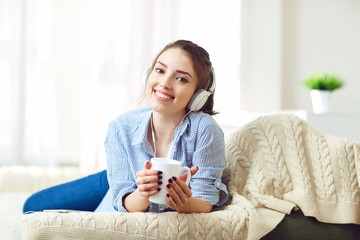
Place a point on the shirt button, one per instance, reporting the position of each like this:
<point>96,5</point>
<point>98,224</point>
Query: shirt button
<point>217,184</point>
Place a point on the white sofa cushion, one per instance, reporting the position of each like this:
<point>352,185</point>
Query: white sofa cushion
<point>11,214</point>
<point>35,178</point>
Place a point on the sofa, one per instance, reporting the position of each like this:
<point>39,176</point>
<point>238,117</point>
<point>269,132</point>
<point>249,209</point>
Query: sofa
<point>17,183</point>
<point>286,180</point>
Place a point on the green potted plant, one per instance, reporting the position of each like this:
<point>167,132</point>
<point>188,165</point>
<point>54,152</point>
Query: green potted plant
<point>321,86</point>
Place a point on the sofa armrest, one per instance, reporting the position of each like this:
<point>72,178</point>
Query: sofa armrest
<point>35,178</point>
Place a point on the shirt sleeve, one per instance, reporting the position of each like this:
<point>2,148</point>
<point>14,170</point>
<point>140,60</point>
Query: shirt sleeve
<point>209,156</point>
<point>121,180</point>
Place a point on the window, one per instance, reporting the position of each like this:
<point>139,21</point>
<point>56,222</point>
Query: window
<point>74,66</point>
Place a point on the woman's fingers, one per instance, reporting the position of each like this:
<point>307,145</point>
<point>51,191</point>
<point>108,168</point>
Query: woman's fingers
<point>181,187</point>
<point>147,164</point>
<point>170,202</point>
<point>148,180</point>
<point>193,170</point>
<point>147,171</point>
<point>149,193</point>
<point>150,172</point>
<point>148,185</point>
<point>178,192</point>
<point>148,189</point>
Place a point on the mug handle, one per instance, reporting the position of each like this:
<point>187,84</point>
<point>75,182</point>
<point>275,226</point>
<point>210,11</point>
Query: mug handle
<point>188,176</point>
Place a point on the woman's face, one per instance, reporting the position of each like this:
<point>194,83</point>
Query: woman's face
<point>171,83</point>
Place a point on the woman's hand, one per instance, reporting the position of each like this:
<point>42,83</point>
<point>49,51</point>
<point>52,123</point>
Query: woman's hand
<point>178,192</point>
<point>148,180</point>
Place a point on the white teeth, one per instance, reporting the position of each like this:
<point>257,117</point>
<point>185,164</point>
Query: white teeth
<point>162,95</point>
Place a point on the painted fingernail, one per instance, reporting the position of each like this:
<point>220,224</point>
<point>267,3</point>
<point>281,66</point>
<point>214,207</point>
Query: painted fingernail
<point>168,186</point>
<point>159,172</point>
<point>158,189</point>
<point>170,180</point>
<point>159,177</point>
<point>159,182</point>
<point>174,178</point>
<point>168,195</point>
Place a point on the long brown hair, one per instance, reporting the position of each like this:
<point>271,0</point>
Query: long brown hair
<point>202,67</point>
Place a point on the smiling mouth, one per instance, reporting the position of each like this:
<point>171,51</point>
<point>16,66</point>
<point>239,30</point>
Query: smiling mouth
<point>162,95</point>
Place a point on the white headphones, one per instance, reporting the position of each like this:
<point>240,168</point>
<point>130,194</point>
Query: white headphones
<point>199,98</point>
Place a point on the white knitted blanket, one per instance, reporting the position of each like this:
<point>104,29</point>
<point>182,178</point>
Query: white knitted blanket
<point>280,162</point>
<point>274,164</point>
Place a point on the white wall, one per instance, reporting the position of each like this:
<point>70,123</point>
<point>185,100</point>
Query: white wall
<point>285,40</point>
<point>261,48</point>
<point>326,36</point>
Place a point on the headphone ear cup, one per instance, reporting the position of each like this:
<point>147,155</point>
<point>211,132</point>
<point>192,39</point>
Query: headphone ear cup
<point>146,75</point>
<point>198,100</point>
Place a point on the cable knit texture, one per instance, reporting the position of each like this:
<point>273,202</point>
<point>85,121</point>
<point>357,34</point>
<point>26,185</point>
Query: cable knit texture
<point>274,164</point>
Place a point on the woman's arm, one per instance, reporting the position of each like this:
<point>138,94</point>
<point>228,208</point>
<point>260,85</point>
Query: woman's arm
<point>195,205</point>
<point>134,202</point>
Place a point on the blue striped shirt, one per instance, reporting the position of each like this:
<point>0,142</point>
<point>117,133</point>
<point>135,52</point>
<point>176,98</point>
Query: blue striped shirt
<point>198,141</point>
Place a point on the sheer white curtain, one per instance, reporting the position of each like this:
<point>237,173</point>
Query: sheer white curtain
<point>75,65</point>
<point>10,86</point>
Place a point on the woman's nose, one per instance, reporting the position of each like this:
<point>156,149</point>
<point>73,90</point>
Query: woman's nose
<point>165,81</point>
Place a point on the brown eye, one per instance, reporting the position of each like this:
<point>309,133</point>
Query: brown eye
<point>183,80</point>
<point>159,70</point>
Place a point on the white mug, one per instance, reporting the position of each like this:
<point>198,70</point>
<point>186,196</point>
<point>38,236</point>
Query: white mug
<point>170,168</point>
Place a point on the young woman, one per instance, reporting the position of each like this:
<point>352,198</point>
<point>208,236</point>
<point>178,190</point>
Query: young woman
<point>177,124</point>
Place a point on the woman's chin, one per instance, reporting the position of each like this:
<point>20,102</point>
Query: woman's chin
<point>160,109</point>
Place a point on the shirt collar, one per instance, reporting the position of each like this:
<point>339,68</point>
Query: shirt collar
<point>143,124</point>
<point>183,125</point>
<point>142,129</point>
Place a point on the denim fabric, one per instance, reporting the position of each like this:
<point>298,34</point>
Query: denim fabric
<point>84,194</point>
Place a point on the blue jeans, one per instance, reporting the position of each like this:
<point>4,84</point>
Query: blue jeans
<point>84,194</point>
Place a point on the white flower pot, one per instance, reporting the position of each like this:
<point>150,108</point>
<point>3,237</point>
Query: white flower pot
<point>320,100</point>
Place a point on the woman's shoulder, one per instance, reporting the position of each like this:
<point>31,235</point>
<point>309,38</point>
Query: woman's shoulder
<point>203,119</point>
<point>131,118</point>
<point>205,129</point>
<point>203,123</point>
